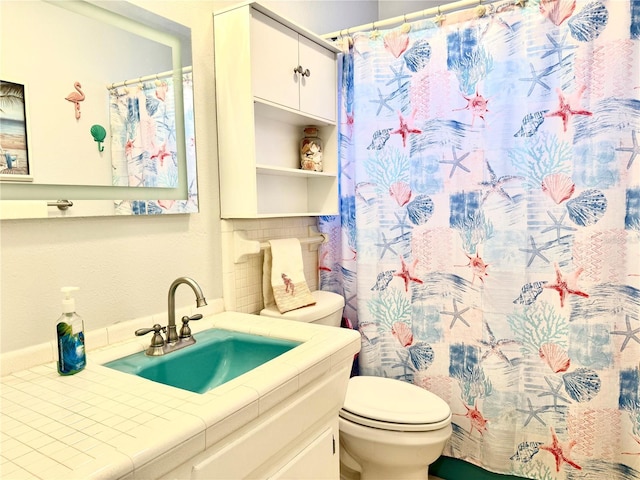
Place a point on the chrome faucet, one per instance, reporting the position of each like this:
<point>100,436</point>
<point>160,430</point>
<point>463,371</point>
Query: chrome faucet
<point>172,334</point>
<point>174,341</point>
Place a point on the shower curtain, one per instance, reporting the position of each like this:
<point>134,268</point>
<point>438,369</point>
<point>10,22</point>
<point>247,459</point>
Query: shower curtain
<point>143,142</point>
<point>488,242</point>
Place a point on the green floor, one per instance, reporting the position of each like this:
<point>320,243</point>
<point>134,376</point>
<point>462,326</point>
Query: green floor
<point>449,468</point>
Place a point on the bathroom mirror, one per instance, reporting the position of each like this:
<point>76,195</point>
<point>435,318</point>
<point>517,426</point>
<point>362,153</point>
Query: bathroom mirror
<point>96,107</point>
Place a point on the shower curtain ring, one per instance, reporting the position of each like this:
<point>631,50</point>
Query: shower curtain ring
<point>440,17</point>
<point>406,28</point>
<point>374,34</point>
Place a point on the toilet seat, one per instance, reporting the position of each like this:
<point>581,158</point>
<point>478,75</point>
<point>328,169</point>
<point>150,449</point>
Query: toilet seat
<point>394,405</point>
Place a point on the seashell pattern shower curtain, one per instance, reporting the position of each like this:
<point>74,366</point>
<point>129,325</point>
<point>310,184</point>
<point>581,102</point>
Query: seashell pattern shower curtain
<point>488,242</point>
<point>144,151</point>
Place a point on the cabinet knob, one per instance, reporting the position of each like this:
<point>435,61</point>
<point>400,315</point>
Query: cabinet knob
<point>304,72</point>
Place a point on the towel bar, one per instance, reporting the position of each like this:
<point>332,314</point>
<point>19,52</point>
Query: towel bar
<point>243,247</point>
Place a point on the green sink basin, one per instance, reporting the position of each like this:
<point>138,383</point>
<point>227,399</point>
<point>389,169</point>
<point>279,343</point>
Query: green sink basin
<point>217,357</point>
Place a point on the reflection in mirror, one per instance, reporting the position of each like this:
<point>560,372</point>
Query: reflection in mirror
<point>108,108</point>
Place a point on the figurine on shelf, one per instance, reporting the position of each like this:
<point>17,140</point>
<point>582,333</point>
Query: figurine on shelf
<point>311,150</point>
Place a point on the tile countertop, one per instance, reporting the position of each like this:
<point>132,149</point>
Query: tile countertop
<point>102,423</point>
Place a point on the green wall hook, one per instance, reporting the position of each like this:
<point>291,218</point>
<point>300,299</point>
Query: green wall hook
<point>99,133</point>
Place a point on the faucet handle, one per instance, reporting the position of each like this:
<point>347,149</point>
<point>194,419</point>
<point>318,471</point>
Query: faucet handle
<point>185,331</point>
<point>157,342</point>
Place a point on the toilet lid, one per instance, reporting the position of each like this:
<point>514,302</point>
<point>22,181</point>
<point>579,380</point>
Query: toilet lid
<point>393,405</point>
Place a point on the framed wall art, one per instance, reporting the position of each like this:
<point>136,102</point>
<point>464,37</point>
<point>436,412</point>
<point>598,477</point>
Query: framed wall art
<point>14,151</point>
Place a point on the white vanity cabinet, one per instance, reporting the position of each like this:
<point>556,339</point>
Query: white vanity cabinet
<point>273,78</point>
<point>298,439</point>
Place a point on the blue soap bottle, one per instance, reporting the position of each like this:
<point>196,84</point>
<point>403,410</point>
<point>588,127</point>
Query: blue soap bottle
<point>70,336</point>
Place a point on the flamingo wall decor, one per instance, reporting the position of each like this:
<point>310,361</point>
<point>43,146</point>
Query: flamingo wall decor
<point>76,97</point>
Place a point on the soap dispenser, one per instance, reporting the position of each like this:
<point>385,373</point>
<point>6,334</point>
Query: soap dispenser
<point>70,336</point>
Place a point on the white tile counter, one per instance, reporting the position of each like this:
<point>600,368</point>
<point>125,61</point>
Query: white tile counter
<point>102,423</point>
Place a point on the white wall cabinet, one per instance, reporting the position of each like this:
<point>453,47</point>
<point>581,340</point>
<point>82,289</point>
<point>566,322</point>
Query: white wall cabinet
<point>263,104</point>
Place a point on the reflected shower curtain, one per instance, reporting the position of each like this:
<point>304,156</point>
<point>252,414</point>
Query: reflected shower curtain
<point>143,142</point>
<point>488,243</point>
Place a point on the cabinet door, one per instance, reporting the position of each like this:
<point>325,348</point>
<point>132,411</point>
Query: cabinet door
<point>318,90</point>
<point>318,461</point>
<point>274,56</point>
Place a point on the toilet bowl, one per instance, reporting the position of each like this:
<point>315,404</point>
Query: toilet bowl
<point>389,429</point>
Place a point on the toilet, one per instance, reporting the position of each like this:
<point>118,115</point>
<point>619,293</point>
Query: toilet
<point>388,428</point>
<point>391,429</point>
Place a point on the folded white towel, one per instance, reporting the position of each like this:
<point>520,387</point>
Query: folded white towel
<point>283,276</point>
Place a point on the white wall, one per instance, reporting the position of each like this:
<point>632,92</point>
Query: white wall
<point>395,8</point>
<point>124,265</point>
<point>324,16</point>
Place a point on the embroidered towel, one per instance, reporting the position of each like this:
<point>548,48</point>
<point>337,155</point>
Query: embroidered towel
<point>283,276</point>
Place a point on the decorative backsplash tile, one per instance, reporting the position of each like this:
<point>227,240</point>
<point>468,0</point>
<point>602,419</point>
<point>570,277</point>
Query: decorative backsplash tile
<point>242,282</point>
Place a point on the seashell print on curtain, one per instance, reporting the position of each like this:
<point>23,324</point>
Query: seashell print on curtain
<point>488,245</point>
<point>143,143</point>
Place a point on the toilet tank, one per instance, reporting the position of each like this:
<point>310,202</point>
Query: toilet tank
<point>326,311</point>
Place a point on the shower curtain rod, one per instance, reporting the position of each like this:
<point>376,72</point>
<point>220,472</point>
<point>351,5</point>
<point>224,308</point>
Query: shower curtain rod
<point>439,10</point>
<point>156,76</point>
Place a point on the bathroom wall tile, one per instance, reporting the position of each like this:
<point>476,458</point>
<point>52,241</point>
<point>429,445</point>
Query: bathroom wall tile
<point>40,465</point>
<point>27,357</point>
<point>111,464</point>
<point>231,423</point>
<point>311,373</point>
<point>285,376</point>
<point>96,338</point>
<point>165,434</point>
<point>247,293</point>
<point>11,470</point>
<point>346,354</point>
<point>168,461</point>
<point>229,400</point>
<point>12,448</point>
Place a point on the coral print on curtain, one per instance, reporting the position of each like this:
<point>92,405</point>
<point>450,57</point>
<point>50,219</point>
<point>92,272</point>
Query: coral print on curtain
<point>143,142</point>
<point>488,245</point>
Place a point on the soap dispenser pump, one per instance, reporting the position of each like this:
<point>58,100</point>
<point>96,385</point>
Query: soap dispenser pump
<point>70,336</point>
